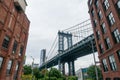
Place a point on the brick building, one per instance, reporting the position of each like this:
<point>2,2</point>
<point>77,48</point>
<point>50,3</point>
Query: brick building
<point>105,18</point>
<point>14,27</point>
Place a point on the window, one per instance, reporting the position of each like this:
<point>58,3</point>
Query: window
<point>118,54</point>
<point>6,42</point>
<point>100,15</point>
<point>92,12</point>
<point>105,66</point>
<point>112,63</point>
<point>98,35</point>
<point>116,35</point>
<point>9,66</point>
<point>1,61</point>
<point>118,7</point>
<point>118,4</point>
<point>101,48</point>
<point>107,42</point>
<point>96,3</point>
<point>111,19</point>
<point>14,47</point>
<point>117,78</point>
<point>107,79</point>
<point>95,23</point>
<point>106,4</point>
<point>16,71</point>
<point>103,27</point>
<point>21,50</point>
<point>90,2</point>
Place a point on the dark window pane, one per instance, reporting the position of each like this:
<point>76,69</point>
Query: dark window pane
<point>9,66</point>
<point>1,61</point>
<point>103,27</point>
<point>116,36</point>
<point>105,66</point>
<point>118,54</point>
<point>15,47</point>
<point>107,42</point>
<point>6,42</point>
<point>101,48</point>
<point>21,50</point>
<point>106,4</point>
<point>110,19</point>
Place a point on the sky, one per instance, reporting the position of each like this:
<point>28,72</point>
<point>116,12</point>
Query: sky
<point>49,16</point>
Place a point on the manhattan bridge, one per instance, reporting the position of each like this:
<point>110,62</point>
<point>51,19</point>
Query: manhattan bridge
<point>71,43</point>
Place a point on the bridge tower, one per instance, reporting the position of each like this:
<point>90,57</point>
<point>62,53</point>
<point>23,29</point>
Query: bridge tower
<point>61,47</point>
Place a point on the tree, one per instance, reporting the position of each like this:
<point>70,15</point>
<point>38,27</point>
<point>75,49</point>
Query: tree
<point>55,73</point>
<point>27,70</point>
<point>91,72</point>
<point>37,73</point>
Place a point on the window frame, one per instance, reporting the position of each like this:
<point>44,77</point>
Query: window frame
<point>106,4</point>
<point>21,50</point>
<point>105,65</point>
<point>16,70</point>
<point>118,55</point>
<point>95,23</point>
<point>98,35</point>
<point>101,48</point>
<point>103,27</point>
<point>111,19</point>
<point>96,3</point>
<point>1,61</point>
<point>116,35</point>
<point>92,12</point>
<point>9,67</point>
<point>5,43</point>
<point>14,47</point>
<point>100,16</point>
<point>108,44</point>
<point>112,62</point>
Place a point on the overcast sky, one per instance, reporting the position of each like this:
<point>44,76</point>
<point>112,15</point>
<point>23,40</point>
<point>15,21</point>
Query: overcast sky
<point>49,16</point>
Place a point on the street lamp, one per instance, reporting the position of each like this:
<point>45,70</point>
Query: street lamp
<point>96,71</point>
<point>32,67</point>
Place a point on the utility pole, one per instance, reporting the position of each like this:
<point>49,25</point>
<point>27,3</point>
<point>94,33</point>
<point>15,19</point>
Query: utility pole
<point>32,67</point>
<point>96,71</point>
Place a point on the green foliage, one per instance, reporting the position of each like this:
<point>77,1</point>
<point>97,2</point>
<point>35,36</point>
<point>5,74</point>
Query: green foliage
<point>91,73</point>
<point>37,73</point>
<point>26,77</point>
<point>55,73</point>
<point>27,70</point>
<point>45,72</point>
<point>72,78</point>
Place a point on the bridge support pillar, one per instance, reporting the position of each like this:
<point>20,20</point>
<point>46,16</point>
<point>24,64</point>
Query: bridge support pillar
<point>63,68</point>
<point>71,68</point>
<point>59,65</point>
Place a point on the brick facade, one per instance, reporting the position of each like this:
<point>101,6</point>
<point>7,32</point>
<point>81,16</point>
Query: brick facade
<point>105,18</point>
<point>14,25</point>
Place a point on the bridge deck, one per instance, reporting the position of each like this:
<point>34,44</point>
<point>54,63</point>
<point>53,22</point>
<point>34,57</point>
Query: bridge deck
<point>82,48</point>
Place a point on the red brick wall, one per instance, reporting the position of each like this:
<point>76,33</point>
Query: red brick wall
<point>115,47</point>
<point>14,24</point>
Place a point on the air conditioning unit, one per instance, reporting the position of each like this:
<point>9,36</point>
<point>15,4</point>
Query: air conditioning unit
<point>20,4</point>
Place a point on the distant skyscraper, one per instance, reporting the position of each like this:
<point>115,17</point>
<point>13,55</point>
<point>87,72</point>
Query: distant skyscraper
<point>42,56</point>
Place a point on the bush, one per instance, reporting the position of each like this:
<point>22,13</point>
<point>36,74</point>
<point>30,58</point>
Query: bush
<point>72,78</point>
<point>26,77</point>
